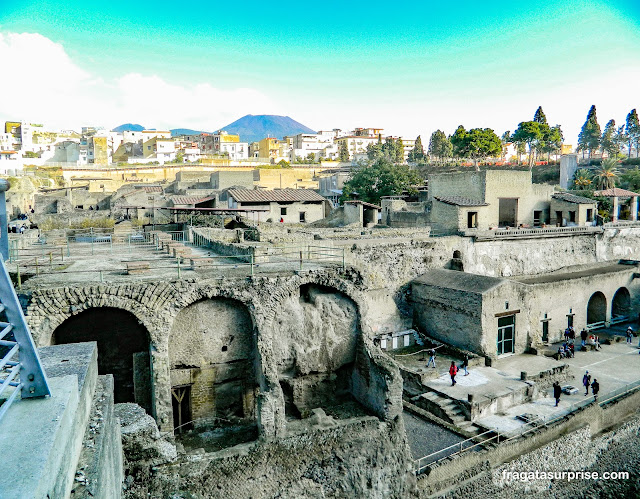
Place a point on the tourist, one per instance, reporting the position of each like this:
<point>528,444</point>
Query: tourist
<point>595,388</point>
<point>629,335</point>
<point>453,370</point>
<point>572,333</point>
<point>567,333</point>
<point>557,391</point>
<point>598,346</point>
<point>432,357</point>
<point>583,335</point>
<point>465,364</point>
<point>586,381</point>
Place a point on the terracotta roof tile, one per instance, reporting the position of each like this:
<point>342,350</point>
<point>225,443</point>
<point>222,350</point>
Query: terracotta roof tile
<point>274,196</point>
<point>459,201</point>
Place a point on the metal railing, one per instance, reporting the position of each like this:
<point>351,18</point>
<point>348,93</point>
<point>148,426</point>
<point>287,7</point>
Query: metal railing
<point>543,421</point>
<point>20,366</point>
<point>537,231</point>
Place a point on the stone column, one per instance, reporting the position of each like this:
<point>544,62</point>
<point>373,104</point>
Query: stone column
<point>634,208</point>
<point>614,211</point>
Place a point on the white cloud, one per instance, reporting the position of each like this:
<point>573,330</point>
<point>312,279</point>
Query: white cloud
<point>47,86</point>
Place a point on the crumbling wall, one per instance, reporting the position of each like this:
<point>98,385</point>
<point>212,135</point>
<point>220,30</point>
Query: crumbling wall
<point>314,342</point>
<point>212,349</point>
<point>362,457</point>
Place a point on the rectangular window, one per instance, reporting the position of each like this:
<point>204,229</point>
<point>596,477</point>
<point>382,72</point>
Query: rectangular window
<point>506,334</point>
<point>572,216</point>
<point>537,217</point>
<point>303,216</point>
<point>545,331</point>
<point>589,215</point>
<point>472,220</point>
<point>559,218</point>
<point>283,212</point>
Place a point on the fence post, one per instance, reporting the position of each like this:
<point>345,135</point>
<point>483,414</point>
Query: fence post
<point>61,254</point>
<point>92,240</point>
<point>68,249</point>
<point>343,265</point>
<point>179,267</point>
<point>301,260</point>
<point>251,255</point>
<point>18,276</point>
<point>111,243</point>
<point>129,238</point>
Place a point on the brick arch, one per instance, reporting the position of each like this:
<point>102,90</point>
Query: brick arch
<point>57,312</point>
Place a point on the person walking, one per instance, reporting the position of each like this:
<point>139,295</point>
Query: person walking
<point>432,357</point>
<point>557,391</point>
<point>453,370</point>
<point>465,364</point>
<point>586,381</point>
<point>595,388</point>
<point>629,334</point>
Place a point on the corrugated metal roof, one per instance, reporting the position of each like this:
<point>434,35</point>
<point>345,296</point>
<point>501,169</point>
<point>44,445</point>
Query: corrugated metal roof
<point>572,198</point>
<point>274,196</point>
<point>459,201</point>
<point>368,205</point>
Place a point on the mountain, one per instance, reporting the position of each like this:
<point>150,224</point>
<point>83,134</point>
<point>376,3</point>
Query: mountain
<point>252,128</point>
<point>128,127</point>
<point>184,131</point>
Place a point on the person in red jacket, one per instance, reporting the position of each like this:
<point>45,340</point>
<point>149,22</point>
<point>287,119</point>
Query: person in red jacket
<point>453,370</point>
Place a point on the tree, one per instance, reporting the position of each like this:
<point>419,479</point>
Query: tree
<point>632,131</point>
<point>381,178</point>
<point>416,155</point>
<point>589,138</point>
<point>540,117</point>
<point>483,143</point>
<point>552,139</point>
<point>344,152</point>
<point>399,151</point>
<point>582,179</point>
<point>440,146</point>
<point>530,133</point>
<point>609,142</point>
<point>374,151</point>
<point>607,174</point>
<point>459,142</point>
<point>630,179</point>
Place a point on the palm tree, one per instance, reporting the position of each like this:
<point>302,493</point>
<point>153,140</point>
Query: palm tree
<point>582,179</point>
<point>607,174</point>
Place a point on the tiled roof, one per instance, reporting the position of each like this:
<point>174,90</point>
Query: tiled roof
<point>368,205</point>
<point>460,201</point>
<point>189,200</point>
<point>274,196</point>
<point>572,198</point>
<point>152,188</point>
<point>616,192</point>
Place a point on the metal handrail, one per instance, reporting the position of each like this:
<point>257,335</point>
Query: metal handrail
<point>527,427</point>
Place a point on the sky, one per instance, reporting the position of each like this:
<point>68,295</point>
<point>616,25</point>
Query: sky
<point>408,67</point>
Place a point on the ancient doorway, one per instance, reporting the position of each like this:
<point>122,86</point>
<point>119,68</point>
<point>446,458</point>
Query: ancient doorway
<point>506,334</point>
<point>621,304</point>
<point>597,308</point>
<point>123,349</point>
<point>507,212</point>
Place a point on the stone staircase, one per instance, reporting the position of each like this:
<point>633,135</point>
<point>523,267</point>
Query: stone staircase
<point>441,407</point>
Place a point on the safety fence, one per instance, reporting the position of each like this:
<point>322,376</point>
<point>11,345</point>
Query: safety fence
<point>495,437</point>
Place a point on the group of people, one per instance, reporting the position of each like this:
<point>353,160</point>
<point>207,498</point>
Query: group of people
<point>567,349</point>
<point>453,369</point>
<point>586,382</point>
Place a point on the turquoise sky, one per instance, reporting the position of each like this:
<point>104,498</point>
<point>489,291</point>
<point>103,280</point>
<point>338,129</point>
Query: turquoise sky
<point>410,67</point>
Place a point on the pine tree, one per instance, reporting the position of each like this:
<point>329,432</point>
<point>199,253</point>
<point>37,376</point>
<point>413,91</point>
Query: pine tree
<point>399,151</point>
<point>440,146</point>
<point>540,117</point>
<point>344,151</point>
<point>416,155</point>
<point>609,143</point>
<point>589,138</point>
<point>632,131</point>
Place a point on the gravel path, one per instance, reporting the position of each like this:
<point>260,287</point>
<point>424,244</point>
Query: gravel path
<point>425,437</point>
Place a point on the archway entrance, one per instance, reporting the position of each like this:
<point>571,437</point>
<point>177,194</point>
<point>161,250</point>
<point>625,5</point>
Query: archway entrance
<point>597,308</point>
<point>621,305</point>
<point>123,349</point>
